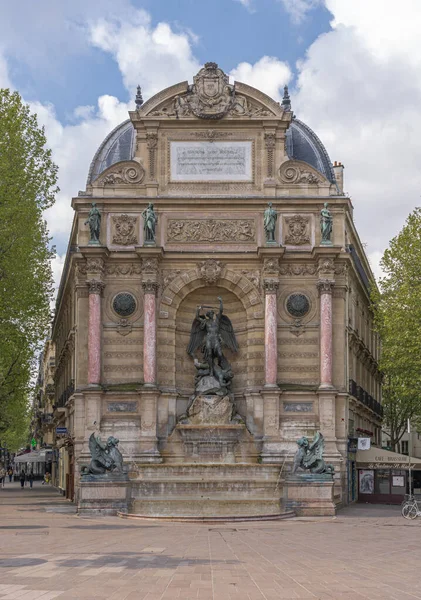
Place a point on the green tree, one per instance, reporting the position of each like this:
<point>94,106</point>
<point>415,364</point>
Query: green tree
<point>397,305</point>
<point>28,179</point>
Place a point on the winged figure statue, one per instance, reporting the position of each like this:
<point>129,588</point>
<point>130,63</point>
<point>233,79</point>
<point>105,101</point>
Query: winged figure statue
<point>105,456</point>
<point>309,455</point>
<point>210,332</point>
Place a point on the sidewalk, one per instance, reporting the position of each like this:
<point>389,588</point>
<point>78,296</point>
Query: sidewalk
<point>46,551</point>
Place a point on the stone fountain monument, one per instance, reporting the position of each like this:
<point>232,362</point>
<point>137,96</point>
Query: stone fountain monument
<point>214,473</point>
<point>211,428</point>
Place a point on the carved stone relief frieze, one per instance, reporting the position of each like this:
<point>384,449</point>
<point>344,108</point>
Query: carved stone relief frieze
<point>211,230</point>
<point>124,230</point>
<point>291,172</point>
<point>123,269</point>
<point>326,266</point>
<point>127,172</point>
<point>271,266</point>
<point>150,265</point>
<point>293,269</point>
<point>297,230</point>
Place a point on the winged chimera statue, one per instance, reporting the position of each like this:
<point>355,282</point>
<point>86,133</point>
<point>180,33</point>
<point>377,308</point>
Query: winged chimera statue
<point>309,455</point>
<point>210,332</point>
<point>105,456</point>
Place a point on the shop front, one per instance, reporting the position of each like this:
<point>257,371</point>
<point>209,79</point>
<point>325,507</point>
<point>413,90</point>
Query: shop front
<point>383,476</point>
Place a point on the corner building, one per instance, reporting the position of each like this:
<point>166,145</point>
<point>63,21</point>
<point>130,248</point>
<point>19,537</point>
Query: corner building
<point>210,156</point>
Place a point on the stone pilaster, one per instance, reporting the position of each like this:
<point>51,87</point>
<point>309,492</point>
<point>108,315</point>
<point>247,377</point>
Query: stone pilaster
<point>325,287</point>
<point>95,288</point>
<point>271,333</point>
<point>150,288</point>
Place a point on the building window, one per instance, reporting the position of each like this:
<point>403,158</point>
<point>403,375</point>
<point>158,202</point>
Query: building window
<point>404,447</point>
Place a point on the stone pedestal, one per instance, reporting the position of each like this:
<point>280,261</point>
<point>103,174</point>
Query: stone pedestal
<point>148,441</point>
<point>210,444</point>
<point>104,494</point>
<point>310,495</point>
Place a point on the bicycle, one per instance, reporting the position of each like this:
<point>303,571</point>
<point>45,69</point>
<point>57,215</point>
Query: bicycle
<point>411,510</point>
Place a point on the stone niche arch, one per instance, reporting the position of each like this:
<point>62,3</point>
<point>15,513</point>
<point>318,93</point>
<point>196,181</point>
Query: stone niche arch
<point>242,304</point>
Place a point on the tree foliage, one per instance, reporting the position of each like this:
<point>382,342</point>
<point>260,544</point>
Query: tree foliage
<point>398,316</point>
<point>28,179</point>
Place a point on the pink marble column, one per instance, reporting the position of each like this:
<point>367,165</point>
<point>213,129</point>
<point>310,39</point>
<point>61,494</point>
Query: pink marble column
<point>271,334</point>
<point>94,332</point>
<point>326,341</point>
<point>149,333</point>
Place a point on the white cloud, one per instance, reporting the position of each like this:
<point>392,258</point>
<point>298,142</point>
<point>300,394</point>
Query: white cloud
<point>248,4</point>
<point>268,74</point>
<point>73,148</point>
<point>156,57</point>
<point>359,88</point>
<point>298,9</point>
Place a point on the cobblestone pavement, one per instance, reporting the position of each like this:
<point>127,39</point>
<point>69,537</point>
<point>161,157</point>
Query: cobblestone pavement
<point>46,552</point>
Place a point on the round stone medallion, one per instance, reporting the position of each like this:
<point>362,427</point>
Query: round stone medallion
<point>298,305</point>
<point>124,304</point>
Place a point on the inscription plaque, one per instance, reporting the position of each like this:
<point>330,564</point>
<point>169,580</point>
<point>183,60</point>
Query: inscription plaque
<point>211,161</point>
<point>122,406</point>
<point>298,406</point>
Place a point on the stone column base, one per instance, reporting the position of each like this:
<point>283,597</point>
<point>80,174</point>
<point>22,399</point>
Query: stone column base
<point>310,495</point>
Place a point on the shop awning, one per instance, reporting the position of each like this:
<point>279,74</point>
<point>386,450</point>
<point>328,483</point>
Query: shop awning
<point>377,458</point>
<point>33,457</point>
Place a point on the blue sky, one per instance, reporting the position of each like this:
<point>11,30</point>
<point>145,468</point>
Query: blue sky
<point>354,70</point>
<point>224,31</point>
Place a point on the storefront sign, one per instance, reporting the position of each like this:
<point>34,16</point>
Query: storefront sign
<point>398,481</point>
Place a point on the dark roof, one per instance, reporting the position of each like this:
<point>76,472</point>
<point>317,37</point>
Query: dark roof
<point>301,141</point>
<point>118,145</point>
<point>303,144</point>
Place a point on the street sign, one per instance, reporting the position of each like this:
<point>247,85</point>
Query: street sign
<point>61,430</point>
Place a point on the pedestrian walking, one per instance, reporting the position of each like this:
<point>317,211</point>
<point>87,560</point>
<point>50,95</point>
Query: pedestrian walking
<point>31,479</point>
<point>22,478</point>
<point>2,476</point>
<point>10,473</point>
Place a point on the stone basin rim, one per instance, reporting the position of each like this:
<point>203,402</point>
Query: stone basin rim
<point>290,514</point>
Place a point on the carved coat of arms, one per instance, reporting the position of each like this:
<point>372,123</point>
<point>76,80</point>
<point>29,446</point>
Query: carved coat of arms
<point>210,97</point>
<point>125,230</point>
<point>297,232</point>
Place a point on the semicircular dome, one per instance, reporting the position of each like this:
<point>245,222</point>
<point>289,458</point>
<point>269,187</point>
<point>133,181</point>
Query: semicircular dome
<point>118,145</point>
<point>301,144</point>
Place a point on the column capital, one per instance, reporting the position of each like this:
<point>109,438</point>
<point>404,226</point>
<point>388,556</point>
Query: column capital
<point>325,286</point>
<point>95,286</point>
<point>270,286</point>
<point>150,287</point>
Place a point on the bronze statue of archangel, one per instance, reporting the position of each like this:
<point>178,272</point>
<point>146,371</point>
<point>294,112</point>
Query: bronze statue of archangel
<point>210,332</point>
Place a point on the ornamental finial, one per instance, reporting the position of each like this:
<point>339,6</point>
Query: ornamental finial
<point>138,99</point>
<point>286,100</point>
